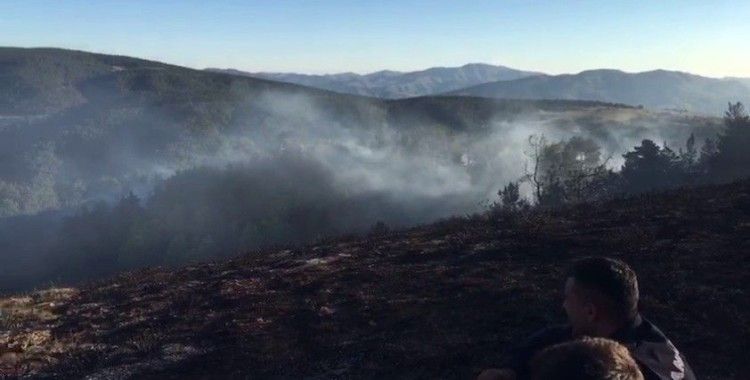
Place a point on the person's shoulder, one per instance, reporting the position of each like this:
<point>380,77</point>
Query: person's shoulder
<point>648,332</point>
<point>653,350</point>
<point>663,359</point>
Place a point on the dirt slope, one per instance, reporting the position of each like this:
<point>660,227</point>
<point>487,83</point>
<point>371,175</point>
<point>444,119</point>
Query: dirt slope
<point>437,301</point>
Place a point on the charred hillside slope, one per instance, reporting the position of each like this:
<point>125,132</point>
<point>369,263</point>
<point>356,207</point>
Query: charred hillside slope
<point>440,301</point>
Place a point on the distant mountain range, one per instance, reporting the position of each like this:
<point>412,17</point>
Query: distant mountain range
<point>394,84</point>
<point>653,89</point>
<point>658,89</point>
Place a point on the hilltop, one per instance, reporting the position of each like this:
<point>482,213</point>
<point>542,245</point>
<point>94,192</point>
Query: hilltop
<point>48,80</point>
<point>440,300</point>
<point>44,80</point>
<point>658,89</point>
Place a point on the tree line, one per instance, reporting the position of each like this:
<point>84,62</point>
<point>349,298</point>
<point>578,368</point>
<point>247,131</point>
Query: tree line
<point>574,170</point>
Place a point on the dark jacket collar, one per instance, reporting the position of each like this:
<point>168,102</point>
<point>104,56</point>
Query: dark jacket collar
<point>627,333</point>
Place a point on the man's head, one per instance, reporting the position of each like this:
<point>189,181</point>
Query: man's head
<point>585,359</point>
<point>600,294</point>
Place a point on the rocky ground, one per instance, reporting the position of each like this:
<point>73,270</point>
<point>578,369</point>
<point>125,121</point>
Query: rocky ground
<point>440,301</point>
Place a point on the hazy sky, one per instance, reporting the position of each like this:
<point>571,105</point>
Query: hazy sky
<point>708,37</point>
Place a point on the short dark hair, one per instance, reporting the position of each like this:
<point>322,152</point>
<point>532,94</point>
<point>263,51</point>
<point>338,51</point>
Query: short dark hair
<point>611,278</point>
<point>585,359</point>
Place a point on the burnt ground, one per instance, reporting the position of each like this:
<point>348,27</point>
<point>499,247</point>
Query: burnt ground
<point>439,301</point>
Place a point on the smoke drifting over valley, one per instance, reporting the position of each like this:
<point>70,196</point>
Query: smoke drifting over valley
<point>414,155</point>
<point>220,165</point>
